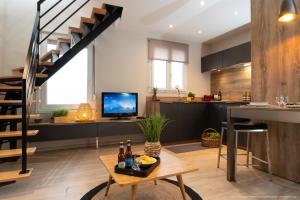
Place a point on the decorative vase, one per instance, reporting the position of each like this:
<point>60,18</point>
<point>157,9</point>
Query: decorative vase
<point>152,149</point>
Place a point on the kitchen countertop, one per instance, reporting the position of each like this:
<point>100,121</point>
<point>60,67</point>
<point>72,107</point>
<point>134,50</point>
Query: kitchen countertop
<point>200,101</point>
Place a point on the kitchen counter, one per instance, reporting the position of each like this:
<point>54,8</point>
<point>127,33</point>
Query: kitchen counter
<point>284,146</point>
<point>201,101</point>
<point>190,119</point>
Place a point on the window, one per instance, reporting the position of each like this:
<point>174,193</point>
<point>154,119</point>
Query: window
<point>168,75</point>
<point>69,86</point>
<point>168,61</point>
<point>177,75</point>
<point>159,71</point>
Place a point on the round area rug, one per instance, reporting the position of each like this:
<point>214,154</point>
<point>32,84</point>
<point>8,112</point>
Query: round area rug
<point>165,189</point>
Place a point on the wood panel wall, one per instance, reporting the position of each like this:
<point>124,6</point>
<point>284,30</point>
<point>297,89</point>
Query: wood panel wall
<point>233,83</point>
<point>276,71</point>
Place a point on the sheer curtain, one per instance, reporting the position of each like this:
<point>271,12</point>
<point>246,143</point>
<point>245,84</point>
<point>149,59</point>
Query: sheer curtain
<point>168,51</point>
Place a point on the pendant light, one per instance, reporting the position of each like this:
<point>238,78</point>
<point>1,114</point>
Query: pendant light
<point>288,11</point>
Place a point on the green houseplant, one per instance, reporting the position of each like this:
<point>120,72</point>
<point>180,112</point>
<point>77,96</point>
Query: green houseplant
<point>211,138</point>
<point>59,115</point>
<point>192,95</point>
<point>152,127</point>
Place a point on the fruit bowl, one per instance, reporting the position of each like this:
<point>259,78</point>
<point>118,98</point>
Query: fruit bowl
<point>145,161</point>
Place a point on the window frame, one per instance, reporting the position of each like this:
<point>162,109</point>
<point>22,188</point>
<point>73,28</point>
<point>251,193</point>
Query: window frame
<point>43,107</point>
<point>169,88</point>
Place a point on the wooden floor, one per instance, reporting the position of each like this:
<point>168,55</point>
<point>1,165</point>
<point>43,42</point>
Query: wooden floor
<point>69,174</point>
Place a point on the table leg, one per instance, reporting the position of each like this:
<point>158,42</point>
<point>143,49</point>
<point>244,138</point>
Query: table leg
<point>97,142</point>
<point>110,180</point>
<point>133,192</point>
<point>231,150</point>
<point>181,186</point>
<point>155,182</point>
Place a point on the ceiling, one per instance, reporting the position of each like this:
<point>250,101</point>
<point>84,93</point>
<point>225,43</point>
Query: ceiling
<point>191,21</point>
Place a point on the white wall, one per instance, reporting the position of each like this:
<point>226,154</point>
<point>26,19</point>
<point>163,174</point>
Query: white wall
<point>121,57</point>
<point>16,23</point>
<point>228,40</point>
<point>1,32</point>
<point>122,65</point>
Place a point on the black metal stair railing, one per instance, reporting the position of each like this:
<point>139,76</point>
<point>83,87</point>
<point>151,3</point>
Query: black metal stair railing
<point>28,83</point>
<point>32,59</point>
<point>30,69</point>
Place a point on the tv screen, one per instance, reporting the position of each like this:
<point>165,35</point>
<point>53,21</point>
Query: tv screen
<point>119,104</point>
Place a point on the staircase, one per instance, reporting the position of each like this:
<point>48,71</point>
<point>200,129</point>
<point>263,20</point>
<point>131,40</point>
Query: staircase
<point>17,89</point>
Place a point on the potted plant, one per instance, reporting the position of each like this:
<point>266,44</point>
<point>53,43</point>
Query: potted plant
<point>154,96</point>
<point>192,95</point>
<point>152,128</point>
<point>59,115</point>
<point>210,138</point>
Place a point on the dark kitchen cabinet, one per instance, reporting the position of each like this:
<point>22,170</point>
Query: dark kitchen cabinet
<point>226,58</point>
<point>187,121</point>
<point>212,61</point>
<point>191,121</point>
<point>170,111</point>
<point>237,55</point>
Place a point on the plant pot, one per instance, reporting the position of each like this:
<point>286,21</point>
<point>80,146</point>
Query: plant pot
<point>152,149</point>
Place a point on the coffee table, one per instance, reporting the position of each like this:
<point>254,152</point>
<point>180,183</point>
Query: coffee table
<point>170,165</point>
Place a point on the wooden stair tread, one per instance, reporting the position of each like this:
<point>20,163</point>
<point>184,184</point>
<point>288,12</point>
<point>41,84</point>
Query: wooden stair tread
<point>11,78</point>
<point>43,64</point>
<point>13,88</point>
<point>98,11</point>
<point>10,102</point>
<point>13,176</point>
<point>18,69</point>
<point>11,134</point>
<point>16,117</point>
<point>76,30</point>
<point>10,88</point>
<point>87,20</point>
<point>63,40</point>
<point>48,55</point>
<point>18,77</point>
<point>16,152</point>
<point>46,64</point>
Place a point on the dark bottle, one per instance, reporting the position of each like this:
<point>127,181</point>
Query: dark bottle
<point>128,155</point>
<point>220,95</point>
<point>121,156</point>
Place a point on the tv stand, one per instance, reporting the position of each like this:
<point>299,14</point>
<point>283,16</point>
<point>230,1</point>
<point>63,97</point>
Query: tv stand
<point>121,118</point>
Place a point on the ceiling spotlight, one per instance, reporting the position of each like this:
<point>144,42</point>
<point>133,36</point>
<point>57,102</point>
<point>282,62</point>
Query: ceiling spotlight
<point>171,26</point>
<point>202,3</point>
<point>199,32</point>
<point>236,12</point>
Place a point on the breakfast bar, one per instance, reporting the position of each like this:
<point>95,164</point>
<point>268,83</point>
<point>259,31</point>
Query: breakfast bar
<point>267,113</point>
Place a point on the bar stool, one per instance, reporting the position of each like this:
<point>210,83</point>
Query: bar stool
<point>249,128</point>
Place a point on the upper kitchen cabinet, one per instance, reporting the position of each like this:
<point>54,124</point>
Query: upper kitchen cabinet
<point>226,58</point>
<point>236,55</point>
<point>212,61</point>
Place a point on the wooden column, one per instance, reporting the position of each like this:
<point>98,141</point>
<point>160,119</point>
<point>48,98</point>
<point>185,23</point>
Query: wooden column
<point>276,71</point>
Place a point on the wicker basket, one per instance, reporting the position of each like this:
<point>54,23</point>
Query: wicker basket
<point>152,149</point>
<point>209,142</point>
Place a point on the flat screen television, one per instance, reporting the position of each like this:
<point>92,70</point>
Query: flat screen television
<point>119,104</point>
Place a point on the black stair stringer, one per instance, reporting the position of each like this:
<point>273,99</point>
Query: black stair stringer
<point>85,41</point>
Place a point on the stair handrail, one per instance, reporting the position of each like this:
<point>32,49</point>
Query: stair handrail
<point>30,69</point>
<point>28,83</point>
<point>62,23</point>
